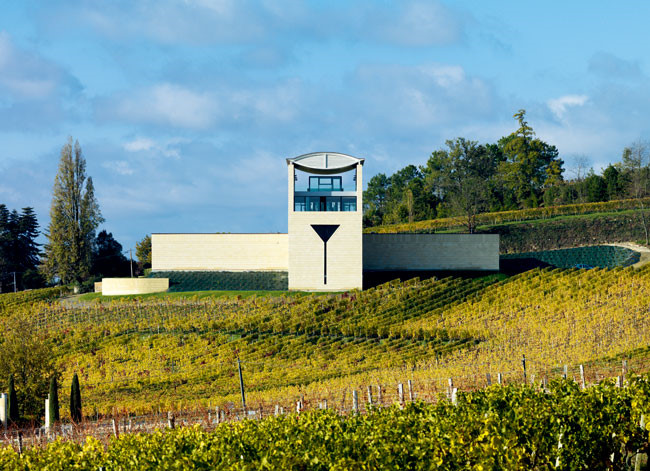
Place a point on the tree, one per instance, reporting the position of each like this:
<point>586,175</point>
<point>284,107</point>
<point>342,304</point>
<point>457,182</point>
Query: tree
<point>636,163</point>
<point>27,358</point>
<point>614,182</point>
<point>18,248</point>
<point>75,400</point>
<point>108,259</point>
<point>143,252</point>
<point>13,406</point>
<point>466,177</point>
<point>530,164</point>
<point>74,217</point>
<point>53,404</point>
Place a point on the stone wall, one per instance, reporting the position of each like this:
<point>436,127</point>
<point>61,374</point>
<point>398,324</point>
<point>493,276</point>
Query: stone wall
<point>406,252</point>
<point>124,286</point>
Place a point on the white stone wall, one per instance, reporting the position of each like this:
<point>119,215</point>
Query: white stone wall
<point>431,252</point>
<point>124,286</point>
<point>219,252</point>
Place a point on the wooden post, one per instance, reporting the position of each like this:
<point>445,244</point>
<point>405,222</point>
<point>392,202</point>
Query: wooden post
<point>370,395</point>
<point>454,392</point>
<point>355,401</point>
<point>532,379</point>
<point>277,410</point>
<point>298,406</point>
<point>380,397</point>
<point>637,459</point>
<point>20,443</point>
<point>171,421</point>
<point>566,372</point>
<point>623,372</point>
<point>450,387</point>
<point>116,431</point>
<point>400,393</point>
<point>488,378</point>
<point>619,381</point>
<point>241,386</point>
<point>411,394</point>
<point>523,364</point>
<point>582,377</point>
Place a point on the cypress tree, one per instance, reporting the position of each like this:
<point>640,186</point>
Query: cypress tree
<point>14,415</point>
<point>75,400</point>
<point>54,401</point>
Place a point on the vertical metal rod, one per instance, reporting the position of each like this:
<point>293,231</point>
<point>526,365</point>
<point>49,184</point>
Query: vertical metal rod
<point>241,385</point>
<point>131,255</point>
<point>324,263</point>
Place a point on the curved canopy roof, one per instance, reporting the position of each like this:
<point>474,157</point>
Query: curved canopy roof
<point>325,162</point>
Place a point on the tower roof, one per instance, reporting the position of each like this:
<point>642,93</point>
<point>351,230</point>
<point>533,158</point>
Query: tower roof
<point>325,162</point>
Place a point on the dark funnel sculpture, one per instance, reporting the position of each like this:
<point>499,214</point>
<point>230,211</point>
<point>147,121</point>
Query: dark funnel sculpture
<point>325,231</point>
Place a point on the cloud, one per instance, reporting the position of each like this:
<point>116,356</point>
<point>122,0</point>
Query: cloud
<point>559,105</point>
<point>164,103</point>
<point>28,76</point>
<point>416,23</point>
<point>610,66</point>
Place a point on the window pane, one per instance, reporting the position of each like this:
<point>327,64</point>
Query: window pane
<point>349,203</point>
<point>299,203</point>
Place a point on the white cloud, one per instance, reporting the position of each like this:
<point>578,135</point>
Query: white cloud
<point>559,105</point>
<point>141,143</point>
<point>121,167</point>
<point>420,24</point>
<point>166,103</point>
<point>25,75</point>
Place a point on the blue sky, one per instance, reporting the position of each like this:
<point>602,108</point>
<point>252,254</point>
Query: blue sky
<point>186,109</point>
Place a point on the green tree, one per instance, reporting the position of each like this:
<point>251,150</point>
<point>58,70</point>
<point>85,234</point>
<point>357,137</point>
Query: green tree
<point>27,357</point>
<point>74,217</point>
<point>636,163</point>
<point>19,250</point>
<point>614,182</point>
<point>530,164</point>
<point>374,200</point>
<point>108,259</point>
<point>143,252</point>
<point>75,400</point>
<point>53,409</point>
<point>13,406</point>
<point>466,177</point>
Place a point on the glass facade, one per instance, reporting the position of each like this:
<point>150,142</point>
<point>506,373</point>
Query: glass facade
<point>325,203</point>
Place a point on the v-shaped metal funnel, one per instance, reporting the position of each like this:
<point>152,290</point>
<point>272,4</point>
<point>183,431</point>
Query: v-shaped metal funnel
<point>325,232</point>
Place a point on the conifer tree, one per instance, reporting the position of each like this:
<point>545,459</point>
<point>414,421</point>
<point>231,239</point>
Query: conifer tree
<point>75,400</point>
<point>74,217</point>
<point>53,411</point>
<point>14,415</point>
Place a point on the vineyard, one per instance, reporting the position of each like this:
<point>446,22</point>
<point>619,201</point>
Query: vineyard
<point>145,356</point>
<point>502,217</point>
<point>512,427</point>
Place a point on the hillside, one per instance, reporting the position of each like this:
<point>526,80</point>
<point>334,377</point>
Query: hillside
<point>170,354</point>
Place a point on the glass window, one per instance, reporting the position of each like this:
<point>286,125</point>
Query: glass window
<point>333,203</point>
<point>313,203</point>
<point>299,203</point>
<point>349,203</point>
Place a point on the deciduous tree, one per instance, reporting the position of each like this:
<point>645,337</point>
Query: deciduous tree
<point>74,217</point>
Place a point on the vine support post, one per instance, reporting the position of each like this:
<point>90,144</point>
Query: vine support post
<point>523,364</point>
<point>623,372</point>
<point>411,394</point>
<point>499,379</point>
<point>380,398</point>
<point>565,372</point>
<point>582,377</point>
<point>637,458</point>
<point>370,395</point>
<point>488,378</point>
<point>400,393</point>
<point>241,386</point>
<point>355,401</point>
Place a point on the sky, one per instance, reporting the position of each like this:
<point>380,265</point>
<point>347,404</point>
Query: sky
<point>186,109</point>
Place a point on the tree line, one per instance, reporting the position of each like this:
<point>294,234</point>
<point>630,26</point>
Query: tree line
<point>519,171</point>
<point>74,253</point>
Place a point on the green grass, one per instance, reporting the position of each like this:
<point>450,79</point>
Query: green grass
<point>98,297</point>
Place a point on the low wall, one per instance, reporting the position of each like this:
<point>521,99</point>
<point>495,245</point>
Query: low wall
<point>98,287</point>
<point>409,252</point>
<point>220,252</point>
<point>122,286</point>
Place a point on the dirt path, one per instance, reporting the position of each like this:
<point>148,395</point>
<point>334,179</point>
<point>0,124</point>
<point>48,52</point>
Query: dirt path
<point>644,251</point>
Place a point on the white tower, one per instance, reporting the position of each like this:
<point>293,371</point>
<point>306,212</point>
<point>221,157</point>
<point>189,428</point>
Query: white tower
<point>325,222</point>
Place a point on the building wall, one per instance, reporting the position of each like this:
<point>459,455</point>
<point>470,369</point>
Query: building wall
<point>431,252</point>
<point>221,252</point>
<point>123,286</point>
<point>344,248</point>
<point>344,252</point>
